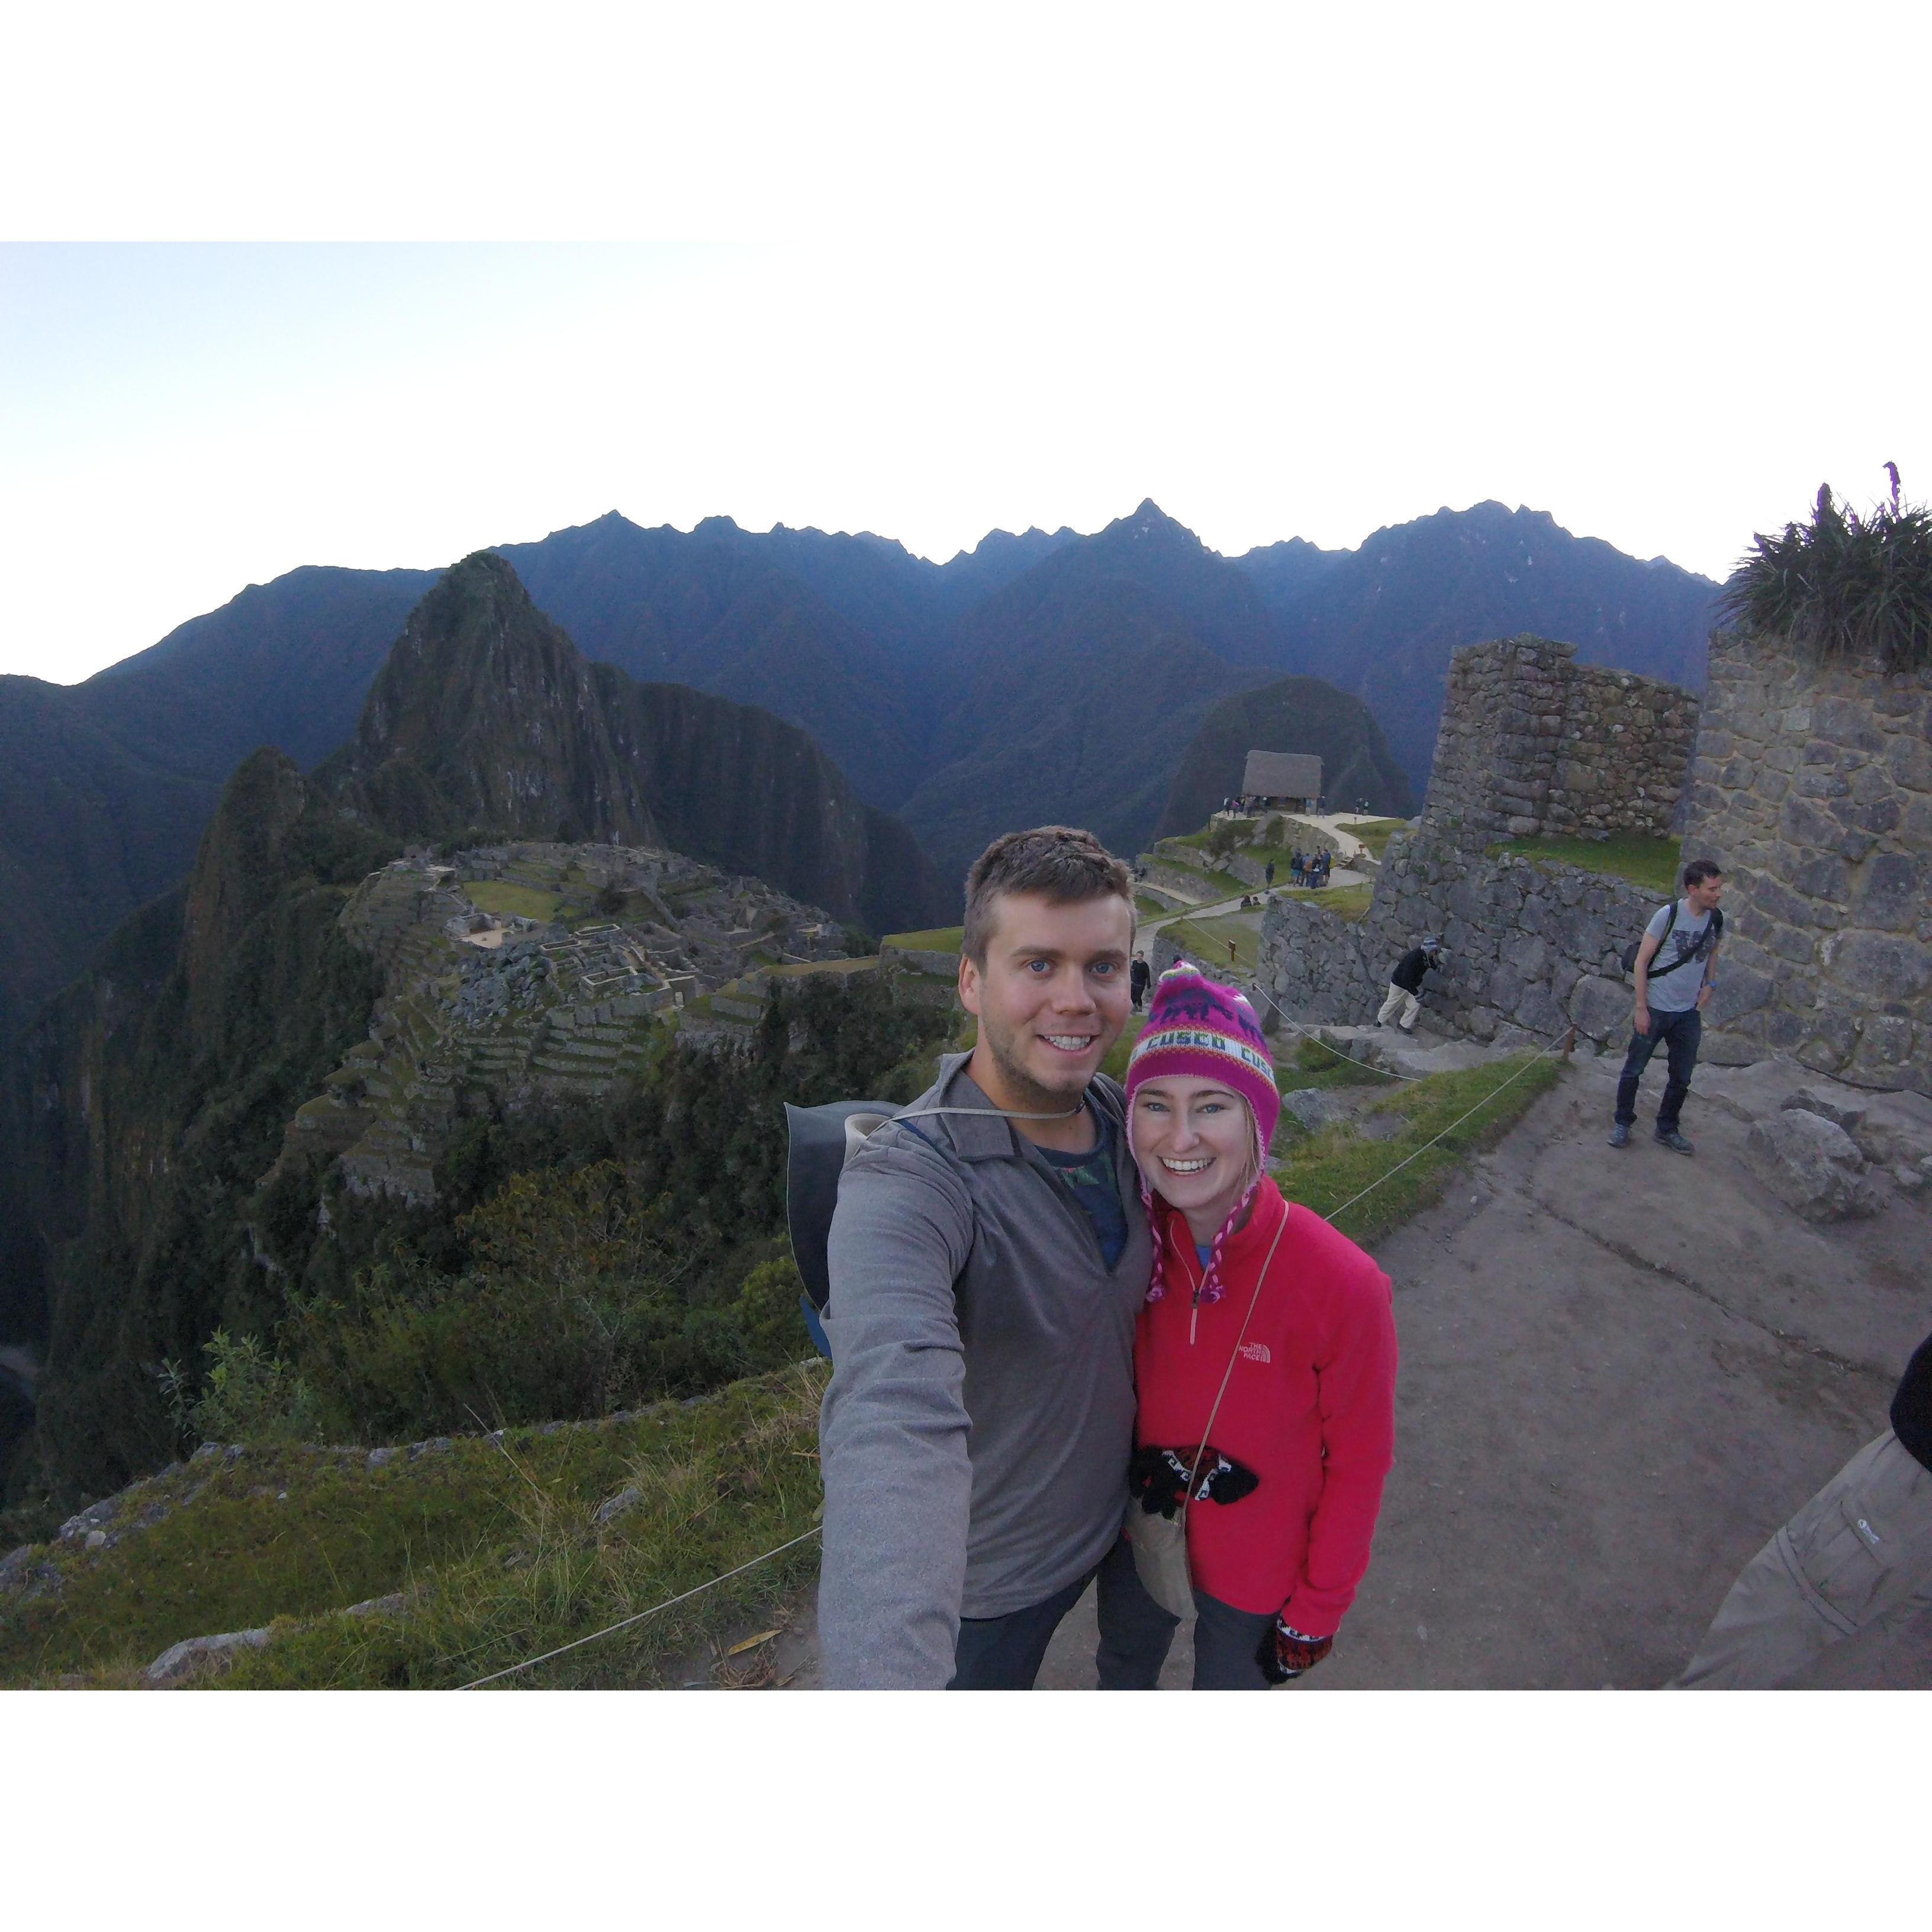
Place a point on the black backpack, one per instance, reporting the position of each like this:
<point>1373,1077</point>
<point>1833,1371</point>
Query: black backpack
<point>1708,943</point>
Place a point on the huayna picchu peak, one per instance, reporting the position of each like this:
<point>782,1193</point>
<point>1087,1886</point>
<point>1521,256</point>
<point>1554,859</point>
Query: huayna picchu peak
<point>487,718</point>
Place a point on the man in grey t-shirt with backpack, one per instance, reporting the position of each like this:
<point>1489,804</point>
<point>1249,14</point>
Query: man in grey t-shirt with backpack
<point>1673,968</point>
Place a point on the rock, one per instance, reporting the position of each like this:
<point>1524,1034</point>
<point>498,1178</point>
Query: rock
<point>1602,1008</point>
<point>1887,1128</point>
<point>1748,1093</point>
<point>90,1519</point>
<point>1897,1128</point>
<point>1843,1106</point>
<point>378,1606</point>
<point>1812,1166</point>
<point>434,1446</point>
<point>97,1539</point>
<point>198,1655</point>
<point>623,1501</point>
<point>16,1567</point>
<point>1380,1127</point>
<point>377,1457</point>
<point>1316,1107</point>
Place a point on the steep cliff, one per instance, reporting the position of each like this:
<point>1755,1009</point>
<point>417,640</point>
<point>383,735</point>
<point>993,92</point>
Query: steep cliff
<point>155,1090</point>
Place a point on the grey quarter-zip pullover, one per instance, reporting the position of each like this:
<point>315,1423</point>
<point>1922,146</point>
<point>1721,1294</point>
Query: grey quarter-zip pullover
<point>976,1433</point>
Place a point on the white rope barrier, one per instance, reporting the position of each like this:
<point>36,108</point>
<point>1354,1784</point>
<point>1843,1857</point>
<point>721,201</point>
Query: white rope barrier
<point>625,1623</point>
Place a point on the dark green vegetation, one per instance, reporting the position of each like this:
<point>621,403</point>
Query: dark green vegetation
<point>1842,584</point>
<point>157,1090</point>
<point>577,1257</point>
<point>1628,855</point>
<point>1294,714</point>
<point>1375,833</point>
<point>1327,1170</point>
<point>495,1544</point>
<point>1381,621</point>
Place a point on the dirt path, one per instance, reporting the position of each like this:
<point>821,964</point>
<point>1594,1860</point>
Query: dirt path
<point>1621,1372</point>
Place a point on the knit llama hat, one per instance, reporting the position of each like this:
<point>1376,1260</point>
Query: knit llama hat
<point>1197,1027</point>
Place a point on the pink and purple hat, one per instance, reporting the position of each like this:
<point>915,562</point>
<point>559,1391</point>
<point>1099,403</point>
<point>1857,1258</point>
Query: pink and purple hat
<point>1197,1027</point>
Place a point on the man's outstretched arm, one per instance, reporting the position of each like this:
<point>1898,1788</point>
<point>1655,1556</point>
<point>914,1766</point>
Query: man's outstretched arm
<point>892,1433</point>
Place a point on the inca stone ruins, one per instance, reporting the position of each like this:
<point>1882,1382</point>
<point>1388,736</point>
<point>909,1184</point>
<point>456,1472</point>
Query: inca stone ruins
<point>1810,784</point>
<point>539,968</point>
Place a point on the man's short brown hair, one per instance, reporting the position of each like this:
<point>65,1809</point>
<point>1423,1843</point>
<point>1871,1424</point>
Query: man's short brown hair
<point>1698,870</point>
<point>1059,863</point>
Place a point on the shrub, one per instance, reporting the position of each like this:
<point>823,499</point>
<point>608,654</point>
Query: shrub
<point>246,1394</point>
<point>1842,584</point>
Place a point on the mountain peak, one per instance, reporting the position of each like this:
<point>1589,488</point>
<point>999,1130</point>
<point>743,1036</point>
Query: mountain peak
<point>484,715</point>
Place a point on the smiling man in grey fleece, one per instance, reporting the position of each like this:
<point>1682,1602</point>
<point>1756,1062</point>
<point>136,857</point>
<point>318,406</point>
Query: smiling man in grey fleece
<point>985,1274</point>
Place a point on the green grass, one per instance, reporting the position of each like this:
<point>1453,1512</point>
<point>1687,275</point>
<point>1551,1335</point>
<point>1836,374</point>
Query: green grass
<point>500,895</point>
<point>1215,885</point>
<point>1325,1169</point>
<point>804,969</point>
<point>938,939</point>
<point>1650,863</point>
<point>1149,906</point>
<point>1375,833</point>
<point>1208,939</point>
<point>1312,1064</point>
<point>1348,902</point>
<point>497,1547</point>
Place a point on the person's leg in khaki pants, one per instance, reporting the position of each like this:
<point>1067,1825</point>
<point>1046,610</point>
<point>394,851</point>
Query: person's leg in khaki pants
<point>1857,1556</point>
<point>1407,1002</point>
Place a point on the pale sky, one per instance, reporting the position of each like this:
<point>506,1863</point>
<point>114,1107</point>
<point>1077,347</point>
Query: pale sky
<point>1657,270</point>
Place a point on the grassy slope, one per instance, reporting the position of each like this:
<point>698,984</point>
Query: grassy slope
<point>505,896</point>
<point>1375,833</point>
<point>938,939</point>
<point>497,1546</point>
<point>1648,862</point>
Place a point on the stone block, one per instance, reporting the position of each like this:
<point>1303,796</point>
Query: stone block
<point>1315,1108</point>
<point>1891,892</point>
<point>1812,1166</point>
<point>1601,1008</point>
<point>1878,967</point>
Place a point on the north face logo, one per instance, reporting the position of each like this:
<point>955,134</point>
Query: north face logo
<point>1256,1352</point>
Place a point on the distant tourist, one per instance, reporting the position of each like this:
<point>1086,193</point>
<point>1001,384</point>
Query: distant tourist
<point>1138,977</point>
<point>1297,866</point>
<point>1268,872</point>
<point>1857,1557</point>
<point>1265,1358</point>
<point>1404,986</point>
<point>1670,1000</point>
<point>986,1271</point>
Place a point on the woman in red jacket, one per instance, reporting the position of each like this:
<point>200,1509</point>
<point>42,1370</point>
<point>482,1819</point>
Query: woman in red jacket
<point>1261,1317</point>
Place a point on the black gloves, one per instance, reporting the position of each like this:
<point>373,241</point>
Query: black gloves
<point>1159,1477</point>
<point>1285,1653</point>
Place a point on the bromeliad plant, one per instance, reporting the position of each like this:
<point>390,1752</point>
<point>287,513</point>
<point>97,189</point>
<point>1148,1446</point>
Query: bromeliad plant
<point>1842,584</point>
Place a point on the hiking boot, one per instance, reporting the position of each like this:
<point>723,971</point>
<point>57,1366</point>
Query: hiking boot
<point>1675,1142</point>
<point>1620,1134</point>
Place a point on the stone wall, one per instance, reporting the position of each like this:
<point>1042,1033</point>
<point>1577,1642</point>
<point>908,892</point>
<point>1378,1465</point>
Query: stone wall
<point>1813,789</point>
<point>1532,741</point>
<point>1534,947</point>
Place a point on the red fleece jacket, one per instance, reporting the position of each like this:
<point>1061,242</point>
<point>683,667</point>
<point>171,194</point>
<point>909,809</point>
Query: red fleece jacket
<point>1310,1407</point>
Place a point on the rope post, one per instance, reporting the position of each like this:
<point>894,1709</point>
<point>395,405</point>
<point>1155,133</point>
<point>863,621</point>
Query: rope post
<point>1569,1043</point>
